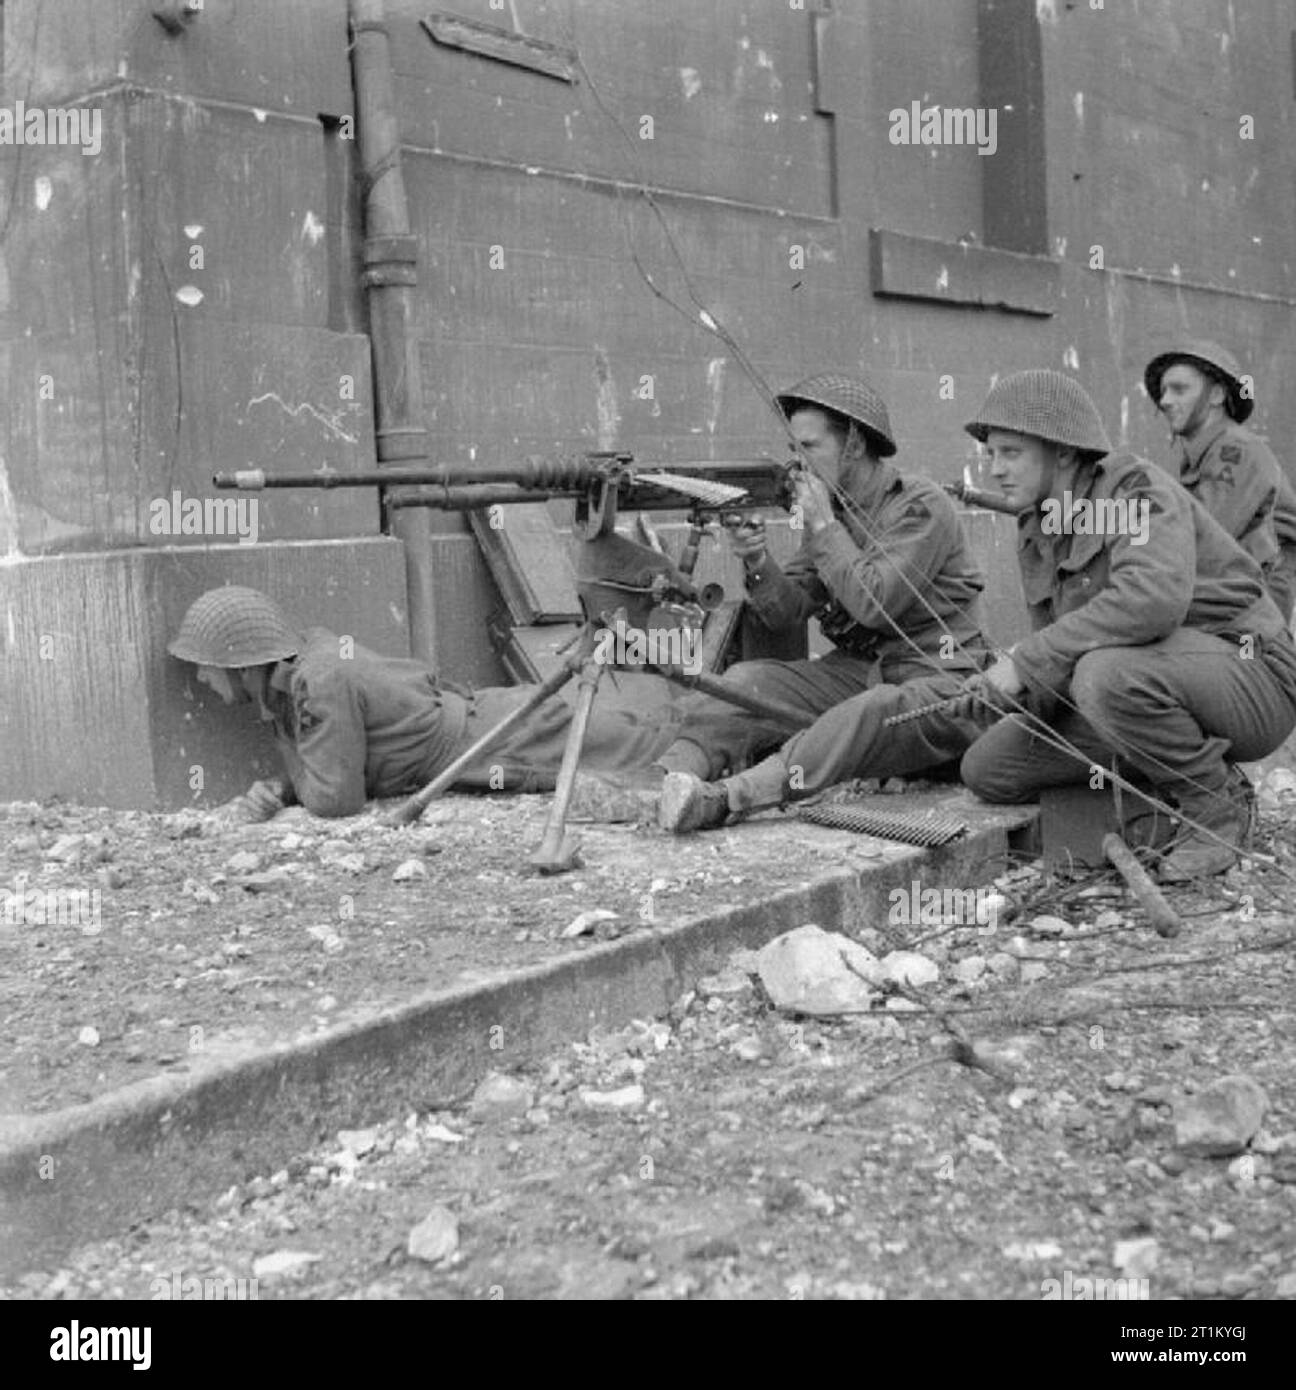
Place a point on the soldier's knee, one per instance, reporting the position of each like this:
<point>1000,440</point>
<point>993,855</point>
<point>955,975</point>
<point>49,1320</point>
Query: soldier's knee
<point>1098,677</point>
<point>982,772</point>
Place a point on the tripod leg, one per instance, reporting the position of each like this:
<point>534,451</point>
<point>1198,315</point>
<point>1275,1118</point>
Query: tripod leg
<point>558,850</point>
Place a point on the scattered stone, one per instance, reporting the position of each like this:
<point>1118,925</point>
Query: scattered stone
<point>67,849</point>
<point>584,923</point>
<point>443,1135</point>
<point>1236,1284</point>
<point>627,1098</point>
<point>500,1097</point>
<point>1032,970</point>
<point>282,1263</point>
<point>358,1141</point>
<point>1136,1259</point>
<point>748,1049</point>
<point>435,1238</point>
<point>1286,1287</point>
<point>970,969</point>
<point>328,937</point>
<point>88,1037</point>
<point>898,1004</point>
<point>244,861</point>
<point>1049,926</point>
<point>1222,1230</point>
<point>803,971</point>
<point>1002,966</point>
<point>292,841</point>
<point>1033,1250</point>
<point>409,871</point>
<point>729,983</point>
<point>910,968</point>
<point>1107,918</point>
<point>1219,1120</point>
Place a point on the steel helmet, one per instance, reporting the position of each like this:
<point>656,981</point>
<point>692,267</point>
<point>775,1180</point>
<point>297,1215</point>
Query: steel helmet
<point>1048,405</point>
<point>234,627</point>
<point>1218,363</point>
<point>848,396</point>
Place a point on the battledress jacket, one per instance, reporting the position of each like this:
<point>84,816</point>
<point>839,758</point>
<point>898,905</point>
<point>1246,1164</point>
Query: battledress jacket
<point>860,579</point>
<point>1085,591</point>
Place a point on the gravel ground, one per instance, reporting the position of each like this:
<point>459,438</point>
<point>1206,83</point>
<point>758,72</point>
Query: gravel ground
<point>729,1151</point>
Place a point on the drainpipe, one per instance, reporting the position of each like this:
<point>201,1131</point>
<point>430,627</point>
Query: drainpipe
<point>390,275</point>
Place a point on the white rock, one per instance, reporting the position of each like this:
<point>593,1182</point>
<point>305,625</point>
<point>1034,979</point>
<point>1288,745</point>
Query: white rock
<point>500,1097</point>
<point>1287,1286</point>
<point>66,849</point>
<point>409,870</point>
<point>627,1098</point>
<point>358,1141</point>
<point>436,1237</point>
<point>803,972</point>
<point>1219,1120</point>
<point>1048,926</point>
<point>585,922</point>
<point>245,861</point>
<point>1032,1250</point>
<point>292,841</point>
<point>443,1135</point>
<point>748,1049</point>
<point>1136,1259</point>
<point>88,1037</point>
<point>1032,970</point>
<point>910,968</point>
<point>970,969</point>
<point>282,1262</point>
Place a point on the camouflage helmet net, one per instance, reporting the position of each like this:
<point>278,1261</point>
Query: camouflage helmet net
<point>1046,404</point>
<point>234,627</point>
<point>1216,362</point>
<point>847,396</point>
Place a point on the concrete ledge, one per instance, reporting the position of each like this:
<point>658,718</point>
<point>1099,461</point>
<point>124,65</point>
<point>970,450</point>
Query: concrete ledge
<point>90,1171</point>
<point>914,267</point>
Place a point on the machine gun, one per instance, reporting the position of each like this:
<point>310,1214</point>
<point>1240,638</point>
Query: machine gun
<point>621,581</point>
<point>974,497</point>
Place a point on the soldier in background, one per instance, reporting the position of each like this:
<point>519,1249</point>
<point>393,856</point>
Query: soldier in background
<point>350,724</point>
<point>891,580</point>
<point>1198,387</point>
<point>1161,646</point>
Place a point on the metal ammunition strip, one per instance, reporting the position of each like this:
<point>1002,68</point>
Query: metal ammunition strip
<point>925,828</point>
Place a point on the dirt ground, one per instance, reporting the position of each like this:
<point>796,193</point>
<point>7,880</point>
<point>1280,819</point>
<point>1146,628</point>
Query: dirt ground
<point>208,935</point>
<point>764,1156</point>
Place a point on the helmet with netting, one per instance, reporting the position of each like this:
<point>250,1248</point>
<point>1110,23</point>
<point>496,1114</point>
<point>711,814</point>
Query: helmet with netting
<point>234,627</point>
<point>1209,358</point>
<point>1046,404</point>
<point>847,396</point>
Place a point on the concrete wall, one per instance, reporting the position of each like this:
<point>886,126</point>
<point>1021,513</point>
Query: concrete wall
<point>1129,198</point>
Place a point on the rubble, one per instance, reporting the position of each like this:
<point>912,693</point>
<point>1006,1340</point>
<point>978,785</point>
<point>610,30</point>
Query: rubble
<point>803,971</point>
<point>500,1097</point>
<point>1218,1121</point>
<point>436,1238</point>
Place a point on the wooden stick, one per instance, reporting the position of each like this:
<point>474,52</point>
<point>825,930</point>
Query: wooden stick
<point>1160,913</point>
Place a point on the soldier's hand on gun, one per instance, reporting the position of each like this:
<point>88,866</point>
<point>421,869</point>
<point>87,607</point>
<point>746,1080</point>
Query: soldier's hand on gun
<point>747,539</point>
<point>997,690</point>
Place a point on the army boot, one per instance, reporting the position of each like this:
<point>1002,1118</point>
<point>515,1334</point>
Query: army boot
<point>687,803</point>
<point>1227,813</point>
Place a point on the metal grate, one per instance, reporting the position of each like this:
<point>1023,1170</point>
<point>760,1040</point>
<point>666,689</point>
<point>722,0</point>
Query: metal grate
<point>926,828</point>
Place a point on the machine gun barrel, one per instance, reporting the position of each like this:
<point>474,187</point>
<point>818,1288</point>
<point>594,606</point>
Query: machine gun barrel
<point>974,497</point>
<point>453,487</point>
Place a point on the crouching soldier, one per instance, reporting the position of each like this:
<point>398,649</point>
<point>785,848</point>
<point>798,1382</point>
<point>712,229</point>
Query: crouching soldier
<point>1198,387</point>
<point>1154,637</point>
<point>885,568</point>
<point>350,724</point>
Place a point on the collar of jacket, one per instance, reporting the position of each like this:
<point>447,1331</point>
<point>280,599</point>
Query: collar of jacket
<point>1190,457</point>
<point>1069,550</point>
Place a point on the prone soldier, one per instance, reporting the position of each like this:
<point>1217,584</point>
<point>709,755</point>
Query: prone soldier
<point>350,724</point>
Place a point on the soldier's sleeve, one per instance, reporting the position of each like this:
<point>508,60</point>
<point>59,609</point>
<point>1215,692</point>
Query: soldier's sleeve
<point>1147,596</point>
<point>324,753</point>
<point>885,580</point>
<point>783,599</point>
<point>1239,491</point>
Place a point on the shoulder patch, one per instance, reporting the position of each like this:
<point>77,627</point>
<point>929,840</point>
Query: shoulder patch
<point>917,509</point>
<point>1231,453</point>
<point>1135,482</point>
